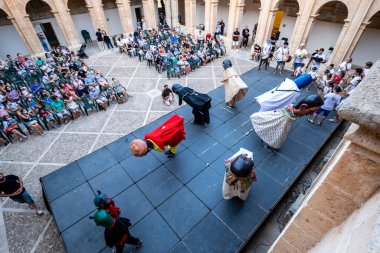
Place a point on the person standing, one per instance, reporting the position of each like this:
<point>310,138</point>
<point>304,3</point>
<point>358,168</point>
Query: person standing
<point>12,186</point>
<point>280,54</point>
<point>218,29</point>
<point>235,39</point>
<point>266,50</point>
<point>299,55</point>
<point>116,232</point>
<point>222,25</point>
<point>318,58</point>
<point>43,41</point>
<point>107,39</point>
<point>99,38</point>
<point>332,99</point>
<point>234,86</point>
<point>245,34</point>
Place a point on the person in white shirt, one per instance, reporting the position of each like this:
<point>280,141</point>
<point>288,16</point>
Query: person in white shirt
<point>299,70</point>
<point>331,100</point>
<point>346,65</point>
<point>318,58</point>
<point>280,54</point>
<point>313,73</point>
<point>266,49</point>
<point>366,68</point>
<point>299,55</point>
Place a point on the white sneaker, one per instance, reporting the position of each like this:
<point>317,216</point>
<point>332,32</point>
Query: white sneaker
<point>40,212</point>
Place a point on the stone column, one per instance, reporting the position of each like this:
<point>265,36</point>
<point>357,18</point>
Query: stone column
<point>302,26</point>
<point>125,13</point>
<point>349,179</point>
<point>25,28</point>
<point>171,10</point>
<point>150,16</point>
<point>190,14</point>
<point>66,25</point>
<point>264,17</point>
<point>211,9</point>
<point>97,15</point>
<point>350,33</point>
<point>239,13</point>
<point>231,18</point>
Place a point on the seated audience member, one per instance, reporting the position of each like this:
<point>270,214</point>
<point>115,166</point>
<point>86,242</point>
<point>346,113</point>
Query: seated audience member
<point>167,95</point>
<point>96,95</point>
<point>10,127</point>
<point>59,108</point>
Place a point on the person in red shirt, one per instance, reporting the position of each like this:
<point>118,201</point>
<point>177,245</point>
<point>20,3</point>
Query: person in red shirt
<point>169,135</point>
<point>338,78</point>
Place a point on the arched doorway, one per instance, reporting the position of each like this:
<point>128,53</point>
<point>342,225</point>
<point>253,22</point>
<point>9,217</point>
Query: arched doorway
<point>181,12</point>
<point>44,22</point>
<point>137,11</point>
<point>112,16</point>
<point>222,13</point>
<point>285,19</point>
<point>10,40</point>
<point>251,14</point>
<point>327,27</point>
<point>81,18</point>
<point>200,12</point>
<point>367,48</point>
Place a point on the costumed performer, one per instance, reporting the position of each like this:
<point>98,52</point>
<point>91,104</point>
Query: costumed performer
<point>169,134</point>
<point>116,232</point>
<point>234,87</point>
<point>201,103</point>
<point>239,175</point>
<point>102,201</point>
<point>273,126</point>
<point>284,94</point>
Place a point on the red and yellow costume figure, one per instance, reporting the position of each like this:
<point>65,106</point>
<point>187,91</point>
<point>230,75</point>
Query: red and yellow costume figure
<point>169,135</point>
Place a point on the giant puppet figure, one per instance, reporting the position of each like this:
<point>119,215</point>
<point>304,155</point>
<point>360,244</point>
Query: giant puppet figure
<point>234,87</point>
<point>168,135</point>
<point>284,94</point>
<point>273,126</point>
<point>201,103</point>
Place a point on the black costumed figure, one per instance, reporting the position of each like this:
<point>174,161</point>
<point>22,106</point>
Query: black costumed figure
<point>116,232</point>
<point>273,126</point>
<point>201,103</point>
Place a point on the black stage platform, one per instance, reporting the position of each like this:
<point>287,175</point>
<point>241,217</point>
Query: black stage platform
<point>176,204</point>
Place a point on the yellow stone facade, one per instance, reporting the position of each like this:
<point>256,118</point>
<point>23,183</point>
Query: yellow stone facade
<point>359,15</point>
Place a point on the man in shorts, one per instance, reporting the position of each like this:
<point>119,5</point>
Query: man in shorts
<point>12,186</point>
<point>331,100</point>
<point>235,39</point>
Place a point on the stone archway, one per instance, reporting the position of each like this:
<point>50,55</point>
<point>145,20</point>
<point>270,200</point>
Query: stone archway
<point>112,16</point>
<point>289,9</point>
<point>44,21</point>
<point>367,48</point>
<point>326,28</point>
<point>10,40</point>
<point>81,18</point>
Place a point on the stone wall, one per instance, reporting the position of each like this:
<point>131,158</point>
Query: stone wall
<point>346,183</point>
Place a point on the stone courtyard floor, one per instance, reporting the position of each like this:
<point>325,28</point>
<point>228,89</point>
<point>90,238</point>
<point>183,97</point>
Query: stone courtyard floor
<point>24,231</point>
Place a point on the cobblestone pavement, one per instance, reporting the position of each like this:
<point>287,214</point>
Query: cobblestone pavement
<point>39,156</point>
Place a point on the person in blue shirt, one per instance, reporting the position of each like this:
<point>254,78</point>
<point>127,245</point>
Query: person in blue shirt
<point>36,87</point>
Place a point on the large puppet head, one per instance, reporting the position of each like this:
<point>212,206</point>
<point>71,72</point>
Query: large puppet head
<point>103,218</point>
<point>308,105</point>
<point>138,147</point>
<point>227,64</point>
<point>242,166</point>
